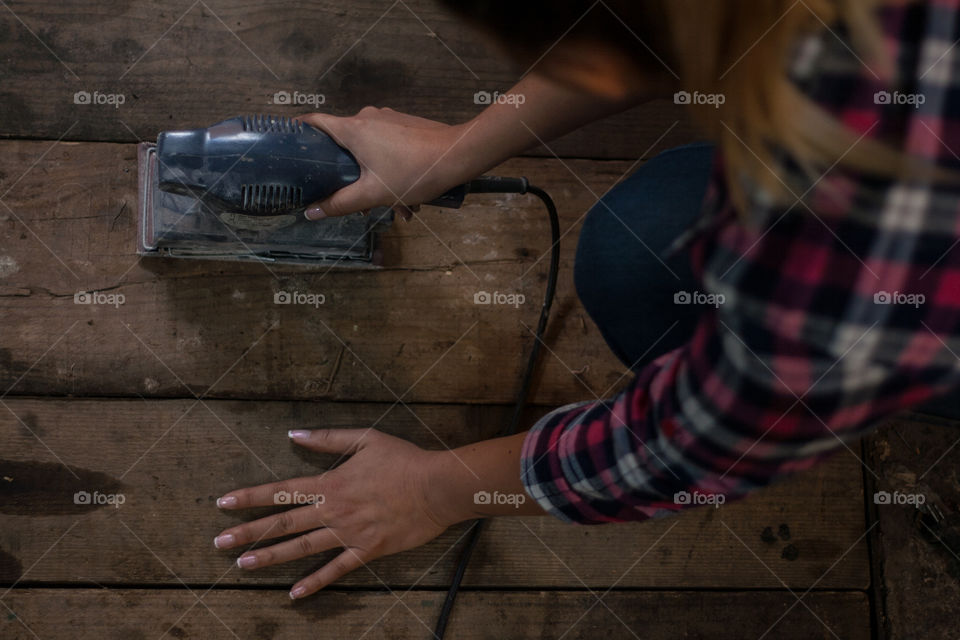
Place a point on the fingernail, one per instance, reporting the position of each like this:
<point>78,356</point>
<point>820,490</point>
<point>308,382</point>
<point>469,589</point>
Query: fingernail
<point>314,213</point>
<point>245,562</point>
<point>228,501</point>
<point>223,541</point>
<point>297,592</point>
<point>298,434</point>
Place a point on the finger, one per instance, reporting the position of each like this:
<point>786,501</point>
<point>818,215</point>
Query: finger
<point>300,547</point>
<point>336,127</point>
<point>329,573</point>
<point>403,211</point>
<point>346,441</point>
<point>389,115</point>
<point>350,199</point>
<point>267,495</point>
<point>274,526</point>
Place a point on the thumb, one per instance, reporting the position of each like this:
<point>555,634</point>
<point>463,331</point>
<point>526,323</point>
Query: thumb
<point>346,441</point>
<point>349,199</point>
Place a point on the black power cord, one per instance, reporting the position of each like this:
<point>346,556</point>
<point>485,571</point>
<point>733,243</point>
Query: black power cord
<point>509,185</point>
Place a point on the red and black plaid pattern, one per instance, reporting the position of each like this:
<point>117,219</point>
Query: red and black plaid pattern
<point>838,311</point>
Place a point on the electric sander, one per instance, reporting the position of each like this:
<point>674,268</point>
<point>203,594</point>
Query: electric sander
<point>237,190</point>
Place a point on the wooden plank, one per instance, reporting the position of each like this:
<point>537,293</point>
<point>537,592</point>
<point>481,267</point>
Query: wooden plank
<point>171,459</point>
<point>188,64</point>
<point>128,613</point>
<point>918,554</point>
<point>211,327</point>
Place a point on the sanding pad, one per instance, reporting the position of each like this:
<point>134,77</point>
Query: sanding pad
<point>181,226</point>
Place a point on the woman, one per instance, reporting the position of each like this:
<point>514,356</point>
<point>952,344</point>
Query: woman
<point>777,293</point>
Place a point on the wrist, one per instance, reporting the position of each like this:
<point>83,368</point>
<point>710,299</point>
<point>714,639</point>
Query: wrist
<point>444,489</point>
<point>478,481</point>
<point>464,154</point>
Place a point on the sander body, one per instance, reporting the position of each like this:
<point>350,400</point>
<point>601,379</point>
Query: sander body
<point>237,191</point>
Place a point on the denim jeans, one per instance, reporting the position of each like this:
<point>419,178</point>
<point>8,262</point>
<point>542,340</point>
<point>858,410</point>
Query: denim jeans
<point>623,282</point>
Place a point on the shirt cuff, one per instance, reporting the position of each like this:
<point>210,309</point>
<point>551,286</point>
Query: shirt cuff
<point>549,489</point>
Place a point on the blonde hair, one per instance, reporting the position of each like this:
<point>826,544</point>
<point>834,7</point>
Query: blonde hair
<point>741,49</point>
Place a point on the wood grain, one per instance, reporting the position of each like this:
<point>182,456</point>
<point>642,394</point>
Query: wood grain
<point>187,64</point>
<point>171,459</point>
<point>68,224</point>
<point>918,554</point>
<point>262,615</point>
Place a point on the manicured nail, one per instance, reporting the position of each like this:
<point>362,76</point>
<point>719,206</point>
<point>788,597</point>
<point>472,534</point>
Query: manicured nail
<point>223,541</point>
<point>298,434</point>
<point>228,501</point>
<point>245,562</point>
<point>297,592</point>
<point>314,213</point>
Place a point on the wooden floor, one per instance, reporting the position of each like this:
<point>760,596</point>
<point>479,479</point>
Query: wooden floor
<point>187,388</point>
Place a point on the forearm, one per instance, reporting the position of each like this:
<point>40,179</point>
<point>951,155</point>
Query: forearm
<point>479,480</point>
<point>509,127</point>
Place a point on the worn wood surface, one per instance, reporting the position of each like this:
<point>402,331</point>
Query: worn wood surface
<point>262,615</point>
<point>190,63</point>
<point>188,327</point>
<point>410,331</point>
<point>917,458</point>
<point>172,459</point>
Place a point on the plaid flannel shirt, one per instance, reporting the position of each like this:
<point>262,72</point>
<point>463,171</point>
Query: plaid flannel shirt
<point>839,311</point>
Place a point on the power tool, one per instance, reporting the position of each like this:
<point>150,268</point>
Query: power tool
<point>237,190</point>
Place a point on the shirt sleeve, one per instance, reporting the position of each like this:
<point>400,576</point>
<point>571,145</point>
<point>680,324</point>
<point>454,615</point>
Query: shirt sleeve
<point>704,424</point>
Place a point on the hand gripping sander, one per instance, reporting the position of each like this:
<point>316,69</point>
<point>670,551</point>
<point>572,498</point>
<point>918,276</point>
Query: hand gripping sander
<point>237,190</point>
